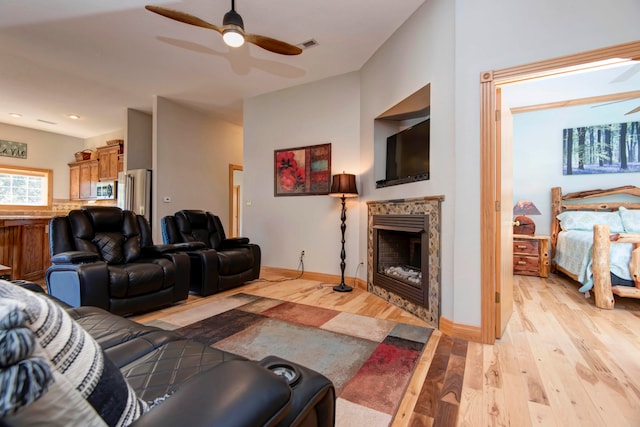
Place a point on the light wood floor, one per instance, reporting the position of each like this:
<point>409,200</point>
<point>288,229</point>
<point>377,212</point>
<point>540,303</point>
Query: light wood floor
<point>561,362</point>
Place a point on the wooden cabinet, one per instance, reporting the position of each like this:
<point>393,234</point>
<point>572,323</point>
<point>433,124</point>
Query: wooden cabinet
<point>83,180</point>
<point>24,246</point>
<point>531,255</point>
<point>85,175</point>
<point>108,157</point>
<point>120,162</point>
<point>88,179</point>
<point>74,181</point>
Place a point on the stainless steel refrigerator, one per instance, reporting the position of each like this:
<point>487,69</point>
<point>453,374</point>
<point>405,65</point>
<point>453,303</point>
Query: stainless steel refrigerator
<point>134,191</point>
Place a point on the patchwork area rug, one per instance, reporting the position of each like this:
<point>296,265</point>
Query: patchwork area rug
<point>369,361</point>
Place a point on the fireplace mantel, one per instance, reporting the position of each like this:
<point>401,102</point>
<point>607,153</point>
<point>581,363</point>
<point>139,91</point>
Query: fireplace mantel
<point>397,208</point>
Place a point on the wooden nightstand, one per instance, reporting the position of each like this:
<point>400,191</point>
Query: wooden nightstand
<point>531,255</point>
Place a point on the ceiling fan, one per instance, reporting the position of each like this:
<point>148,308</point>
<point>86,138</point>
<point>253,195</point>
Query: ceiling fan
<point>635,110</point>
<point>628,73</point>
<point>232,30</point>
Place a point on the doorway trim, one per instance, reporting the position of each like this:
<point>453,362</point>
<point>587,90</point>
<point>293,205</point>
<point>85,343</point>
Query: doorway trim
<point>232,205</point>
<point>490,183</point>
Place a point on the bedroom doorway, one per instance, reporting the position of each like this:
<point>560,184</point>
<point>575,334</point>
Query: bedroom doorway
<point>496,280</point>
<point>235,200</point>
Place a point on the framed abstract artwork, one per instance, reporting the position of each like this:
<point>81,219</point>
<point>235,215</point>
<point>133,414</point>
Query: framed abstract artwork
<point>302,171</point>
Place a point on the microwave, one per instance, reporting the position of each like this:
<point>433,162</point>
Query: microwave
<point>106,190</point>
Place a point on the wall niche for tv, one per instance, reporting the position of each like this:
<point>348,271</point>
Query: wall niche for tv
<point>402,141</point>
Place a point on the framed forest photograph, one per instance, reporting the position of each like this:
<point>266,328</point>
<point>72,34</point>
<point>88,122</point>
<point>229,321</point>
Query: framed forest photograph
<point>610,148</point>
<point>302,171</point>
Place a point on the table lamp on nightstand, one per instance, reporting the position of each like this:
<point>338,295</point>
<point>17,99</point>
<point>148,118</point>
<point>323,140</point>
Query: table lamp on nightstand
<point>522,224</point>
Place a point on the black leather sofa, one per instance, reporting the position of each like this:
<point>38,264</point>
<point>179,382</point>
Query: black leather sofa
<point>103,256</point>
<point>218,263</point>
<point>202,386</point>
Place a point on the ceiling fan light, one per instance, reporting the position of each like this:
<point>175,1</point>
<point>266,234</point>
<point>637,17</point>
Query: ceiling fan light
<point>233,37</point>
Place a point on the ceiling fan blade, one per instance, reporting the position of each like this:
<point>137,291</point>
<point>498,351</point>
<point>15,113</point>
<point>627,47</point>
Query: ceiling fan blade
<point>626,75</point>
<point>273,45</point>
<point>635,110</point>
<point>183,17</point>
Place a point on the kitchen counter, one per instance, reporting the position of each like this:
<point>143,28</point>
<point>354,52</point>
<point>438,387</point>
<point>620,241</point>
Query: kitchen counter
<point>3,217</point>
<point>24,245</point>
<point>15,219</point>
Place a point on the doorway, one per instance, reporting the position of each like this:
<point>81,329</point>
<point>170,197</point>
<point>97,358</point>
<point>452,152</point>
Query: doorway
<point>494,234</point>
<point>235,200</point>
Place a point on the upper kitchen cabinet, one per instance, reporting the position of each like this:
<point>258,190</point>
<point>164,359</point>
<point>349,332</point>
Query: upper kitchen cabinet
<point>109,160</point>
<point>83,179</point>
<point>84,175</point>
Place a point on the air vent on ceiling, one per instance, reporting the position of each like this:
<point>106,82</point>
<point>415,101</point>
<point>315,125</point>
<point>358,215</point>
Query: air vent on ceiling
<point>308,44</point>
<point>47,122</point>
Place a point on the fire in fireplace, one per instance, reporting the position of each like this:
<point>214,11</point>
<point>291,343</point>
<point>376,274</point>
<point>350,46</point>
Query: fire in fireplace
<point>399,259</point>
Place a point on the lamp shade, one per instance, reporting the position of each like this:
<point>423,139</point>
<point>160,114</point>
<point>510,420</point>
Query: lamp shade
<point>525,207</point>
<point>343,185</point>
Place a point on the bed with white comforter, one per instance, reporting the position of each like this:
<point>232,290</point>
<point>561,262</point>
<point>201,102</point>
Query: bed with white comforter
<point>574,253</point>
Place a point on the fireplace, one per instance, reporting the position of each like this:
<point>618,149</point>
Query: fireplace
<point>404,254</point>
<point>398,258</point>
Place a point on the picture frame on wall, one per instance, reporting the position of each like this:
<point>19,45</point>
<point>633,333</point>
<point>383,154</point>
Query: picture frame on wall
<point>302,171</point>
<point>599,149</point>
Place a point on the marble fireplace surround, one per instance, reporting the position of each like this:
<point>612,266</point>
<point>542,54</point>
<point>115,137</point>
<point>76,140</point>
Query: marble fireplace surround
<point>430,206</point>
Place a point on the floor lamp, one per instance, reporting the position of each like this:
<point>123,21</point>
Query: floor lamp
<point>343,185</point>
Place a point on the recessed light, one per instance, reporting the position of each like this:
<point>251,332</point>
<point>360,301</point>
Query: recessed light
<point>16,115</point>
<point>73,116</point>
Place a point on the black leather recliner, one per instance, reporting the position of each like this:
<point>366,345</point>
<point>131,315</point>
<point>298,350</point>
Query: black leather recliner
<point>224,263</point>
<point>99,258</point>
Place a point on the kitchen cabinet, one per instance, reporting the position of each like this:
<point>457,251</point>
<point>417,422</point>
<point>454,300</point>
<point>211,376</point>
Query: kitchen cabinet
<point>88,179</point>
<point>74,181</point>
<point>83,180</point>
<point>120,162</point>
<point>84,175</point>
<point>108,157</point>
<point>24,246</point>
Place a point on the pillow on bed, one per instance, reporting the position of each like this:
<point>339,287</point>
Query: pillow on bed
<point>630,219</point>
<point>585,220</point>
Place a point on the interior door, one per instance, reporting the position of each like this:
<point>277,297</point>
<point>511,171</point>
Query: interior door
<point>235,204</point>
<point>236,211</point>
<point>504,182</point>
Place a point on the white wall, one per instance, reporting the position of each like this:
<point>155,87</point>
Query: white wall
<point>537,157</point>
<point>191,157</point>
<point>45,150</point>
<point>138,140</point>
<point>420,52</point>
<point>311,114</point>
<point>101,140</point>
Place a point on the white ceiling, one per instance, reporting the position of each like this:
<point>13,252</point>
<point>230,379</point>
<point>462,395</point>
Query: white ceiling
<point>96,58</point>
<point>622,78</point>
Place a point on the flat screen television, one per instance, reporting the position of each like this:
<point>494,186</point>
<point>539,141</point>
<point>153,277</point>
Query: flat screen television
<point>408,154</point>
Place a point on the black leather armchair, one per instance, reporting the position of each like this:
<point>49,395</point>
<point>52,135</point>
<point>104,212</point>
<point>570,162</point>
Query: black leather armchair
<point>224,263</point>
<point>99,259</point>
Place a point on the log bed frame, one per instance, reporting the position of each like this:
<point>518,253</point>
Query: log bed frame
<point>601,240</point>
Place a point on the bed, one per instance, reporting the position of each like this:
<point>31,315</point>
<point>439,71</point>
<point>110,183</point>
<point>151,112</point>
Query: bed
<point>598,243</point>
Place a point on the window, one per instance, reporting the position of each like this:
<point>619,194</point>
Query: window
<point>25,188</point>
